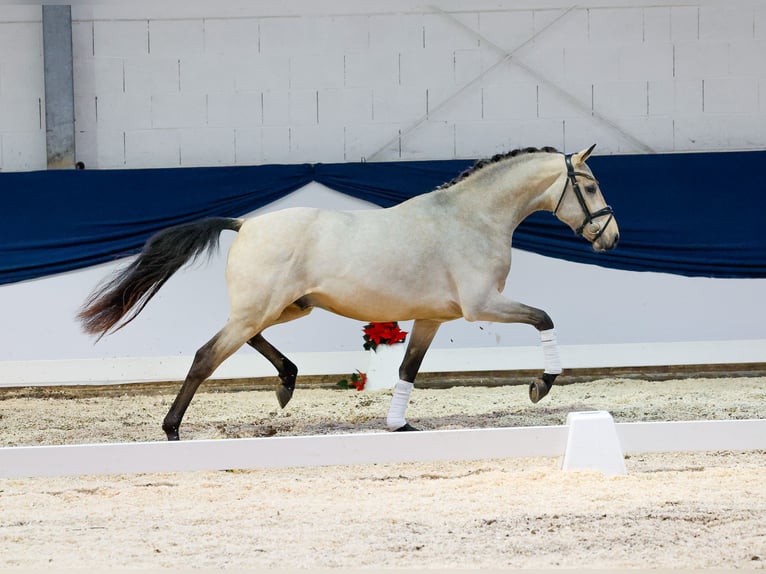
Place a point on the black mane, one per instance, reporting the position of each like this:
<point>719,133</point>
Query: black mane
<point>494,159</point>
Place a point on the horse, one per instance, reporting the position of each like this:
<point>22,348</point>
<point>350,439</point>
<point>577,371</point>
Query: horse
<point>447,256</point>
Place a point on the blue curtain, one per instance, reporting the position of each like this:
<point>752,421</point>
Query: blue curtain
<point>687,214</point>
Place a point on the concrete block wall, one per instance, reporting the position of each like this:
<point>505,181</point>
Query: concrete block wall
<point>199,84</point>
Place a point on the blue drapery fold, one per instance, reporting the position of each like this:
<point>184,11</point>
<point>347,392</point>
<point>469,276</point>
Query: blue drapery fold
<point>687,214</point>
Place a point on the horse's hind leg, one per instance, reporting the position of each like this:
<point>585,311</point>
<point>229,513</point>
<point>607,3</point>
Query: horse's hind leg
<point>285,367</point>
<point>423,332</point>
<point>206,360</point>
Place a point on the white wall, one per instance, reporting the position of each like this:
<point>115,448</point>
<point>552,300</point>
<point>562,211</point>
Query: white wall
<point>222,83</point>
<point>589,304</point>
<point>204,83</point>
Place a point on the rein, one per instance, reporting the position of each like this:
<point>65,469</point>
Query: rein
<point>589,216</point>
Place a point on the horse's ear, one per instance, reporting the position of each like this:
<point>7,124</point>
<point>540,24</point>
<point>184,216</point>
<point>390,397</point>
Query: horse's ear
<point>580,157</point>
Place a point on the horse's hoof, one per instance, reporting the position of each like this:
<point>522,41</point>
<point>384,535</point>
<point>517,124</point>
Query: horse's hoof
<point>172,435</point>
<point>406,428</point>
<point>537,390</point>
<point>541,387</point>
<point>284,394</point>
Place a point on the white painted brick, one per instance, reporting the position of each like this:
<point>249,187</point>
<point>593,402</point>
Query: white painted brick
<point>152,148</point>
<point>362,140</point>
<point>120,38</point>
<point>24,151</point>
<point>396,32</point>
<point>262,72</point>
<point>431,140</point>
<point>580,133</point>
<point>731,21</point>
<point>269,144</point>
<point>206,146</point>
<point>684,23</point>
<point>21,40</point>
<point>484,139</point>
<point>674,97</point>
<point>560,28</point>
<point>594,62</point>
<point>317,70</point>
<point>151,75</point>
<point>234,110</point>
<point>762,94</point>
<point>441,31</point>
<point>98,76</point>
<point>616,25</point>
<point>447,104</point>
<point>275,144</point>
<point>178,110</point>
<point>701,133</point>
<point>730,95</point>
<point>500,71</point>
<point>469,65</point>
<point>428,68</point>
<point>276,107</point>
<point>101,149</point>
<point>619,99</point>
<point>232,36</point>
<point>22,77</point>
<point>248,146</point>
<point>20,13</point>
<point>398,104</point>
<point>341,33</point>
<point>656,132</point>
<point>286,35</point>
<point>746,131</point>
<point>649,61</point>
<point>508,29</point>
<point>85,113</point>
<point>510,101</point>
<point>207,74</point>
<point>123,111</point>
<point>371,68</point>
<point>656,24</point>
<point>545,59</point>
<point>759,22</point>
<point>747,58</point>
<point>345,106</point>
<point>701,59</point>
<point>21,113</point>
<point>319,143</point>
<point>176,38</point>
<point>575,100</point>
<point>82,39</point>
<point>290,107</point>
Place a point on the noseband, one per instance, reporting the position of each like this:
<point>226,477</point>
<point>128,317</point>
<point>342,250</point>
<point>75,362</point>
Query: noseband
<point>589,216</point>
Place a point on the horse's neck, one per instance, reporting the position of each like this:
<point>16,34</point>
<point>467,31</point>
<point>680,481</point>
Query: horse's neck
<point>507,195</point>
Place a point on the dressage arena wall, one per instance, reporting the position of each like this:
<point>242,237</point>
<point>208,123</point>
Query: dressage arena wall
<point>201,83</point>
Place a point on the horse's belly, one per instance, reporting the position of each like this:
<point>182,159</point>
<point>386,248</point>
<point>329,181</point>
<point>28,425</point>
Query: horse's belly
<point>371,306</point>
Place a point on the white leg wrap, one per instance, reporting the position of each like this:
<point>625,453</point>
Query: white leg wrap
<point>399,403</point>
<point>551,358</point>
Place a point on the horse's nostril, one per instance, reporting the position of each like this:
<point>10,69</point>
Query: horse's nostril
<point>616,240</point>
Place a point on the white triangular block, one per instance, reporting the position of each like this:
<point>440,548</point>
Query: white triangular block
<point>593,444</point>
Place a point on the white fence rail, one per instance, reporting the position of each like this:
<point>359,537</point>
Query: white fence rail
<point>382,447</point>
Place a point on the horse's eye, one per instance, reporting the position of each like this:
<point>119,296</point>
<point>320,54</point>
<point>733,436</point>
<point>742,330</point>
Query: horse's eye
<point>590,188</point>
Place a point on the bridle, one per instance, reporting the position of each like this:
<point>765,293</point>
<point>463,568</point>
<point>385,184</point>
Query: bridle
<point>589,216</point>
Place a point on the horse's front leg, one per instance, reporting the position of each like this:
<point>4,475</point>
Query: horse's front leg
<point>423,332</point>
<point>497,308</point>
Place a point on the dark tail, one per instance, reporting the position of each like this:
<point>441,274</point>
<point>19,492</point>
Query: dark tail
<point>120,299</point>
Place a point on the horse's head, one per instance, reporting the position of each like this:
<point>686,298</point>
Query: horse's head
<point>582,207</point>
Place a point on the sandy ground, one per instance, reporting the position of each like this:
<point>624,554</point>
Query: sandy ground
<point>699,510</point>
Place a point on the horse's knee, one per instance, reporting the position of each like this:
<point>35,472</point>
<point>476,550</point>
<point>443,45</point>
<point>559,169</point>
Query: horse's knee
<point>542,321</point>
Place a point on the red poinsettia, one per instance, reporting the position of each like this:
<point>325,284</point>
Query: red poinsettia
<point>382,334</point>
<point>355,381</point>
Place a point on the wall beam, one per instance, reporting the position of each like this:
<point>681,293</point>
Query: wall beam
<point>59,86</point>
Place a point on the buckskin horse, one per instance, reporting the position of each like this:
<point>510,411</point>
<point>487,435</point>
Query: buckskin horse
<point>447,256</point>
